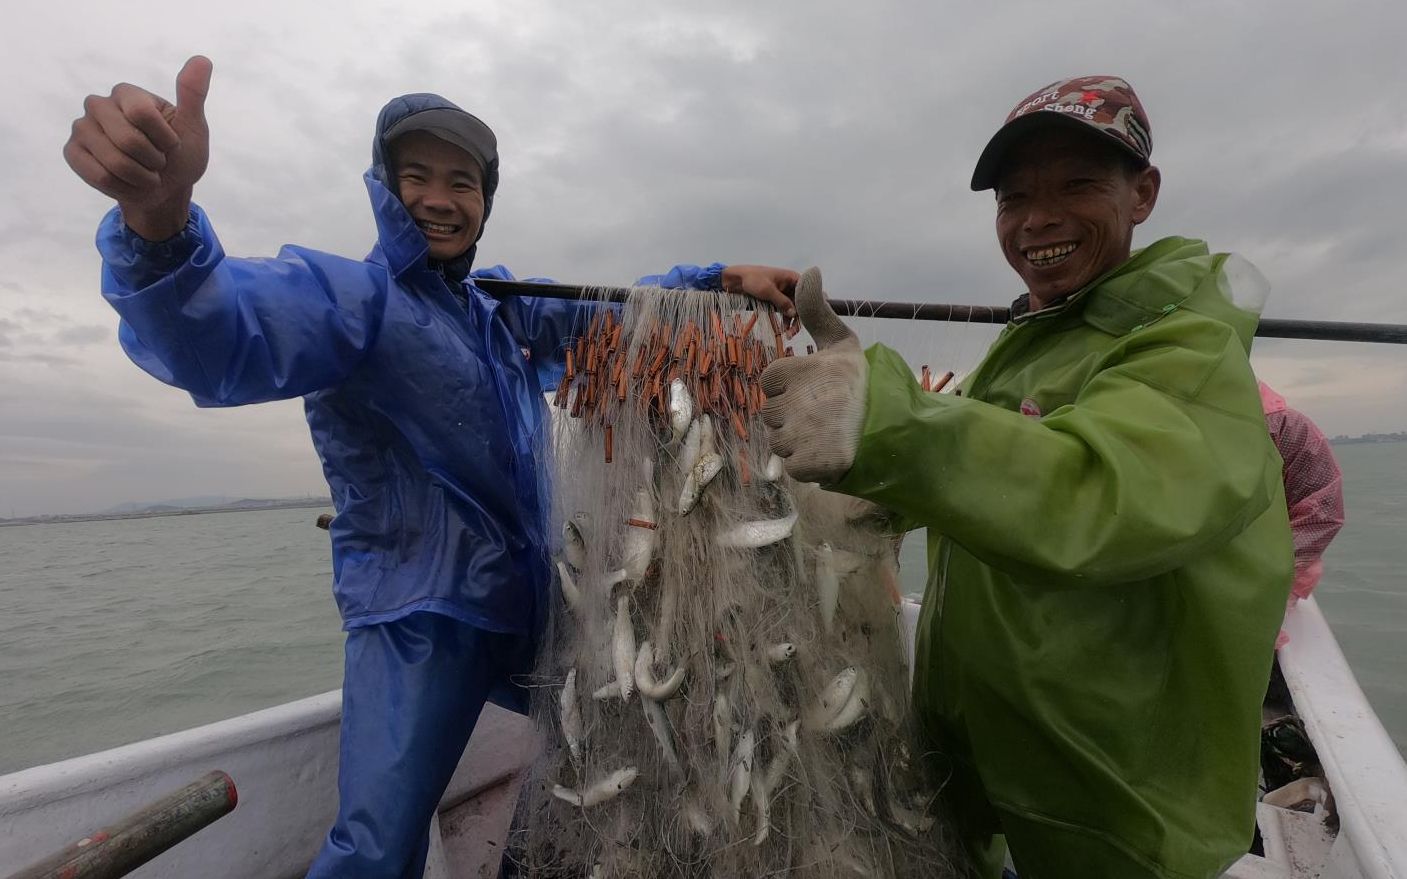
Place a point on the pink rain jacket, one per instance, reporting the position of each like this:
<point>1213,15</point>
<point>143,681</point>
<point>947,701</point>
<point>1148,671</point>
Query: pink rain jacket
<point>1313,490</point>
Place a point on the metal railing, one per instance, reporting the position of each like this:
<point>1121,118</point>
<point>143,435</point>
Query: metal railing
<point>1271,328</point>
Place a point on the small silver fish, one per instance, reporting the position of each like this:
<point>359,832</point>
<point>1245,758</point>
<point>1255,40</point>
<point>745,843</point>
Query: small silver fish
<point>741,779</point>
<point>572,728</point>
<point>762,802</point>
<point>764,785</point>
<point>574,545</point>
<point>706,435</point>
<point>773,469</point>
<point>834,698</point>
<point>781,757</point>
<point>623,647</point>
<point>607,692</point>
<point>650,688</point>
<point>681,408</point>
<point>753,535</point>
<point>847,563</point>
<point>709,465</point>
<point>607,788</point>
<point>571,596</point>
<point>689,452</point>
<point>792,738</point>
<point>722,733</point>
<point>780,653</point>
<point>854,708</point>
<point>689,494</point>
<point>863,782</point>
<point>914,822</point>
<point>659,725</point>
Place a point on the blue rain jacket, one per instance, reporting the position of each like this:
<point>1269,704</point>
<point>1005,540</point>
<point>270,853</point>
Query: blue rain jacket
<point>425,403</point>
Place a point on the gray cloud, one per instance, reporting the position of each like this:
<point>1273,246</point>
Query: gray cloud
<point>46,358</point>
<point>82,335</point>
<point>634,137</point>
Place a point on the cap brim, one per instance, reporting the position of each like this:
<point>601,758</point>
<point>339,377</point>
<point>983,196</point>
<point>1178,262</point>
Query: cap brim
<point>453,126</point>
<point>989,164</point>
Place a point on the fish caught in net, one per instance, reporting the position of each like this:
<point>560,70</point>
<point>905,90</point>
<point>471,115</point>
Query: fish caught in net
<point>723,690</point>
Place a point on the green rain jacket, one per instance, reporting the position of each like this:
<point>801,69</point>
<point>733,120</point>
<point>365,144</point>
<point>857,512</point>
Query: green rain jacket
<point>1109,556</point>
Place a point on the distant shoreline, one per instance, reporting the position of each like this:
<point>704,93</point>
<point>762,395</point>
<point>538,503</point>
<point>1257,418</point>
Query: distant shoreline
<point>240,507</point>
<point>1369,439</point>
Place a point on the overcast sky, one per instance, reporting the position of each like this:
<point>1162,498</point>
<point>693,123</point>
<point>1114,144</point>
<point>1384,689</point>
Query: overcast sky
<point>634,136</point>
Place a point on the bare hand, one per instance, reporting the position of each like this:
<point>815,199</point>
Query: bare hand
<point>769,284</point>
<point>144,152</point>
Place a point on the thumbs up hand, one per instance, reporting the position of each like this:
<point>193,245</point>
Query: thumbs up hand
<point>145,152</point>
<point>816,404</point>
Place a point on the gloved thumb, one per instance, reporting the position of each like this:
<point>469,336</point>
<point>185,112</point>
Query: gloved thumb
<point>192,85</point>
<point>816,314</point>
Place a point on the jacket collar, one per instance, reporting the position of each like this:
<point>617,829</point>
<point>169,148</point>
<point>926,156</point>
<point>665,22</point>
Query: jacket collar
<point>399,242</point>
<point>1152,283</point>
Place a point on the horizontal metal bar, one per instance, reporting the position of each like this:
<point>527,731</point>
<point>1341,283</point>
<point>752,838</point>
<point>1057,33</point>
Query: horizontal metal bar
<point>1271,328</point>
<point>120,848</point>
<point>1332,331</point>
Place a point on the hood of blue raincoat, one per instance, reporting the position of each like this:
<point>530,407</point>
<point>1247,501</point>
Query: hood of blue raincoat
<point>398,110</point>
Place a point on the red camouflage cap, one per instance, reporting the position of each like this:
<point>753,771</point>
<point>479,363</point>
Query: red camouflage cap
<point>1104,104</point>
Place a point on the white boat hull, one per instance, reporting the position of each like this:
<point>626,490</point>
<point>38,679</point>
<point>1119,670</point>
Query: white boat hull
<point>1364,770</point>
<point>284,762</point>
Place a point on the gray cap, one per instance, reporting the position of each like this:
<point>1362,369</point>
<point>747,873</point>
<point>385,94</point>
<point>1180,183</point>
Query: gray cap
<point>464,130</point>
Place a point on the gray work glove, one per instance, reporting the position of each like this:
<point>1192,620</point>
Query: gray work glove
<point>816,404</point>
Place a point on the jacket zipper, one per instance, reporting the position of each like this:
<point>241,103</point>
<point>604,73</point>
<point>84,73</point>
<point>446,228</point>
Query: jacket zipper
<point>978,387</point>
<point>463,298</point>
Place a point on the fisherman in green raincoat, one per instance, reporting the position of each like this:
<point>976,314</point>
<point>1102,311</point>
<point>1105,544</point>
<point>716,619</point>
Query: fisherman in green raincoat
<point>1109,551</point>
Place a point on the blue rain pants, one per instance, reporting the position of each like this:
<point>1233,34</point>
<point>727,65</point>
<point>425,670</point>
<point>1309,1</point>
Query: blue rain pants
<point>411,694</point>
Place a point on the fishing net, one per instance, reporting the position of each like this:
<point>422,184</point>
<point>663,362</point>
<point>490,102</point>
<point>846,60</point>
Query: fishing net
<point>723,690</point>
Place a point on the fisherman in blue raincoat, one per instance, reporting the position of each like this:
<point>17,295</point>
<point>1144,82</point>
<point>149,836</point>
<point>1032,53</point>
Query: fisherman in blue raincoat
<point>424,396</point>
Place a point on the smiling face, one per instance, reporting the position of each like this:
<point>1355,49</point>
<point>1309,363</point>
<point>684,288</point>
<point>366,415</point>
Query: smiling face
<point>441,186</point>
<point>1067,203</point>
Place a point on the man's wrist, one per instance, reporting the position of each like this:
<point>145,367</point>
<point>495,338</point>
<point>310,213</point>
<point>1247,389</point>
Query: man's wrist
<point>157,223</point>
